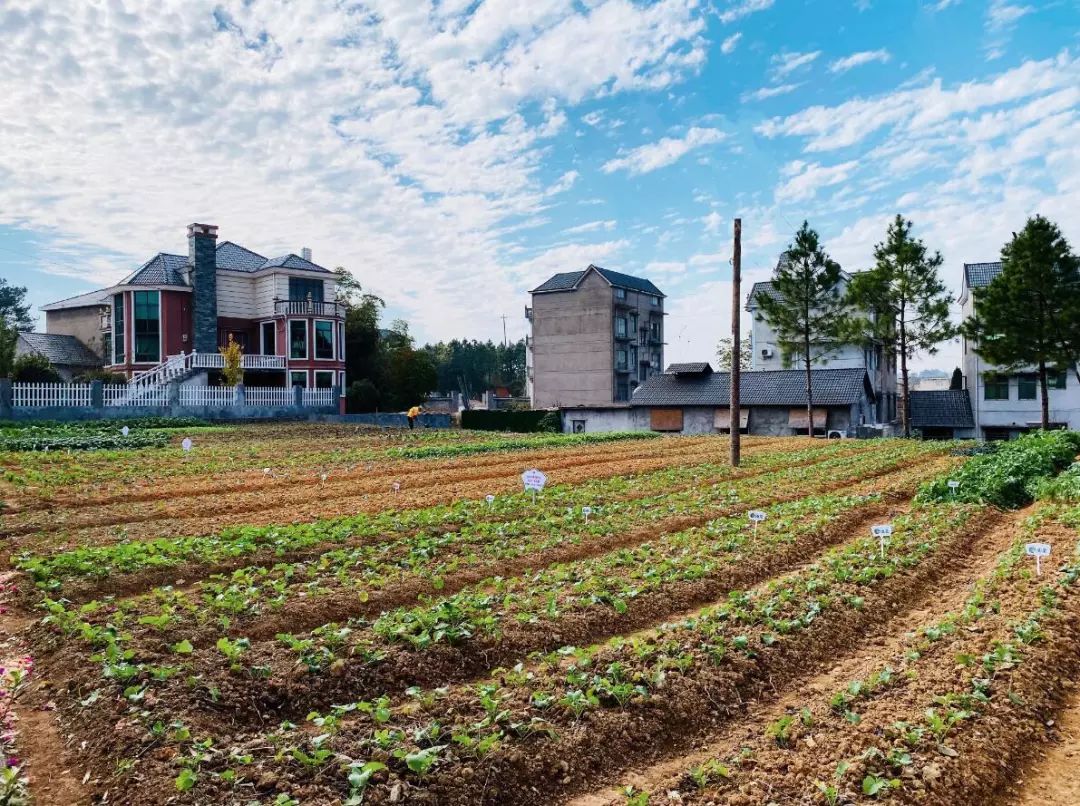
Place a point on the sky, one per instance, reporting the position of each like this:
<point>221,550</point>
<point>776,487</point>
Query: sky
<point>455,154</point>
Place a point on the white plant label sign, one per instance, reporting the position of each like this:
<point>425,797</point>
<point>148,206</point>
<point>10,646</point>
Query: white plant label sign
<point>756,515</point>
<point>491,500</point>
<point>1038,551</point>
<point>534,481</point>
<point>125,430</point>
<point>186,444</point>
<point>586,511</point>
<point>881,531</point>
<point>953,484</point>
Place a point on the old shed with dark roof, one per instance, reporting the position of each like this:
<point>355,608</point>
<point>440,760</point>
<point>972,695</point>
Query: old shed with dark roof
<point>942,412</point>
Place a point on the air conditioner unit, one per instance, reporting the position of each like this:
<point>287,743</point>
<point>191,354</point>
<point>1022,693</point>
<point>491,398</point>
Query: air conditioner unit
<point>767,352</point>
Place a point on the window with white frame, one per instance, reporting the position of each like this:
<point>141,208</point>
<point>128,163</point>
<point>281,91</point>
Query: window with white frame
<point>298,378</point>
<point>324,340</point>
<point>298,338</point>
<point>324,379</point>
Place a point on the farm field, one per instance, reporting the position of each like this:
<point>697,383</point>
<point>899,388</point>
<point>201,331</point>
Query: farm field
<point>318,615</point>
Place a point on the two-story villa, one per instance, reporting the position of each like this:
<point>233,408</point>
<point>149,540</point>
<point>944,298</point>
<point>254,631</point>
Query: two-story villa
<point>175,311</point>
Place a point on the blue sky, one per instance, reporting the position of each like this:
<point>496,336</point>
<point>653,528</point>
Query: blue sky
<point>454,154</point>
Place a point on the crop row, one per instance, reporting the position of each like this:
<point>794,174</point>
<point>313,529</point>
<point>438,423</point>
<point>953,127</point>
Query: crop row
<point>575,704</point>
<point>348,582</point>
<point>126,557</point>
<point>934,724</point>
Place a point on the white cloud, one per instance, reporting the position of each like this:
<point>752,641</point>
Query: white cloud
<point>859,59</point>
<point>663,152</point>
<point>786,63</point>
<point>803,180</point>
<point>712,223</point>
<point>744,8</point>
<point>769,92</point>
<point>941,5</point>
<point>591,226</point>
<point>1002,14</point>
<point>409,134</point>
<point>666,269</point>
<point>729,44</point>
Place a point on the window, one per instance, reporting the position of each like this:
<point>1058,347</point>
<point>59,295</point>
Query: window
<point>996,387</point>
<point>633,356</point>
<point>298,379</point>
<point>147,321</point>
<point>654,301</point>
<point>324,340</point>
<point>577,426</point>
<point>620,293</point>
<point>298,338</point>
<point>620,327</point>
<point>620,359</point>
<point>324,379</point>
<point>622,392</point>
<point>1056,379</point>
<point>118,329</point>
<point>300,289</point>
<point>656,361</point>
<point>269,338</point>
<point>654,331</point>
<point>106,345</point>
<point>239,336</point>
<point>1025,387</point>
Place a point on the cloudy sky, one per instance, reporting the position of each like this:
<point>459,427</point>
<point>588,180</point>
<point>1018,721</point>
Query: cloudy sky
<point>455,153</point>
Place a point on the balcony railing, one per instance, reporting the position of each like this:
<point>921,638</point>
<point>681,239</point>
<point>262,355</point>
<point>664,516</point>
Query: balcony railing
<point>217,361</point>
<point>307,307</point>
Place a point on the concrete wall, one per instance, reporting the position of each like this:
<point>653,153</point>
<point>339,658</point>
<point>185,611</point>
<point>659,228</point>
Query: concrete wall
<point>598,420</point>
<point>763,420</point>
<point>82,323</point>
<point>572,342</point>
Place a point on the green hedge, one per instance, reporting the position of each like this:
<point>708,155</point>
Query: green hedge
<point>1012,475</point>
<point>519,422</point>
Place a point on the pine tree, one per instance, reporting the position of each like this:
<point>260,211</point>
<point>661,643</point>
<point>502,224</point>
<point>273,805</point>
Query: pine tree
<point>904,303</point>
<point>806,309</point>
<point>957,382</point>
<point>1028,315</point>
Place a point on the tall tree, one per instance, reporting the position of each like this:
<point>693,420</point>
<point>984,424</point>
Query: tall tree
<point>956,383</point>
<point>806,309</point>
<point>362,310</point>
<point>14,318</point>
<point>903,305</point>
<point>1029,314</point>
<point>723,354</point>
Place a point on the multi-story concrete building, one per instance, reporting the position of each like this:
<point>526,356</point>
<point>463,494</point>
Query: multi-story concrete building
<point>1007,404</point>
<point>167,319</point>
<point>880,364</point>
<point>595,336</point>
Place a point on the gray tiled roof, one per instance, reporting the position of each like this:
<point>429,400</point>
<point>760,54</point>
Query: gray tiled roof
<point>785,387</point>
<point>61,350</point>
<point>565,281</point>
<point>691,368</point>
<point>945,408</point>
<point>233,257</point>
<point>291,261</point>
<point>979,275</point>
<point>765,288</point>
<point>89,300</point>
<point>161,269</point>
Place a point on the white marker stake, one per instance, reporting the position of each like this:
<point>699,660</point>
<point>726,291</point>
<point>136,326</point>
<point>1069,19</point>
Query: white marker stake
<point>186,444</point>
<point>125,430</point>
<point>396,486</point>
<point>534,481</point>
<point>1038,551</point>
<point>881,532</point>
<point>756,516</point>
<point>491,501</point>
<point>953,485</point>
<point>586,511</point>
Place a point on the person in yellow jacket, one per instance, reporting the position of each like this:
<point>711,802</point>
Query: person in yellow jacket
<point>414,412</point>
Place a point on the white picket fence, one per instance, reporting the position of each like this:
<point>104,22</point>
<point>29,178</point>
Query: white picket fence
<point>35,395</point>
<point>38,395</point>
<point>269,396</point>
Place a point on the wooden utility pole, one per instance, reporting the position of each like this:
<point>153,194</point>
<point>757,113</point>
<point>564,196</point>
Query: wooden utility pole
<point>736,343</point>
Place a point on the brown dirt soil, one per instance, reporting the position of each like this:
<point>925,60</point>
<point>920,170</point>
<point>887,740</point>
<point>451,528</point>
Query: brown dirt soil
<point>1052,778</point>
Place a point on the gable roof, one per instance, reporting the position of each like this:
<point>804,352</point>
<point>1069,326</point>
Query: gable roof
<point>567,281</point>
<point>784,387</point>
<point>291,261</point>
<point>945,408</point>
<point>693,368</point>
<point>61,350</point>
<point>980,275</point>
<point>91,299</point>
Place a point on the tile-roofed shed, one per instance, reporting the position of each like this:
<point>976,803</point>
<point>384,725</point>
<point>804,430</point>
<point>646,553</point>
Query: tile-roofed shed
<point>943,408</point>
<point>832,387</point>
<point>694,368</point>
<point>567,281</point>
<point>61,350</point>
<point>980,275</point>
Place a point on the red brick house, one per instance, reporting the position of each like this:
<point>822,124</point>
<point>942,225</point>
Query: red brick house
<point>282,311</point>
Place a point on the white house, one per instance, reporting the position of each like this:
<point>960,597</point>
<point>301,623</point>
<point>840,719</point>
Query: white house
<point>1007,404</point>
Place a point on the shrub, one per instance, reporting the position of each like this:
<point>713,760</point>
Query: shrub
<point>34,368</point>
<point>520,422</point>
<point>361,397</point>
<point>102,375</point>
<point>1012,475</point>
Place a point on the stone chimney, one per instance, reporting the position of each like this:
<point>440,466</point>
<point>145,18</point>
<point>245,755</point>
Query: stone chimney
<point>305,253</point>
<point>202,269</point>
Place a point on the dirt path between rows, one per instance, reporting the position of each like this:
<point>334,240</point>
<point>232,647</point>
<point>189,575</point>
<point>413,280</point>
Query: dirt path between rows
<point>1052,777</point>
<point>871,655</point>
